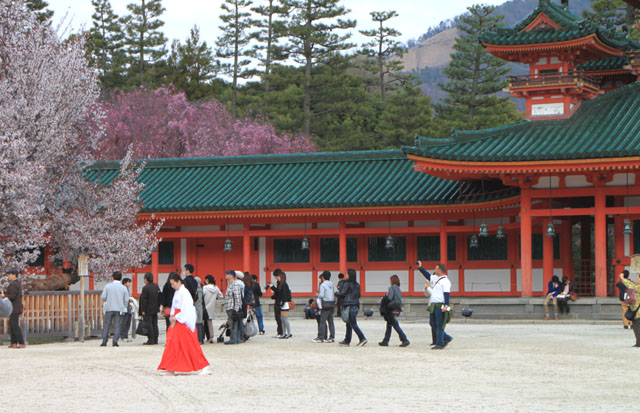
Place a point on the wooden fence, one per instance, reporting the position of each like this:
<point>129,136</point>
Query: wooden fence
<point>55,314</point>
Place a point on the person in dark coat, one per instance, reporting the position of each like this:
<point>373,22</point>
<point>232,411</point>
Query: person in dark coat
<point>190,282</point>
<point>350,293</point>
<point>14,294</point>
<point>257,306</point>
<point>167,299</point>
<point>149,307</point>
<point>275,289</point>
<point>622,289</point>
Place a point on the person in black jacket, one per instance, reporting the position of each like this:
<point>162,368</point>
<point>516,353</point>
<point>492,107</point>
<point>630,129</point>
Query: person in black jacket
<point>276,297</point>
<point>283,299</point>
<point>350,293</point>
<point>622,290</point>
<point>257,306</point>
<point>167,300</point>
<point>14,294</point>
<point>341,281</point>
<point>190,282</point>
<point>392,310</point>
<point>149,307</point>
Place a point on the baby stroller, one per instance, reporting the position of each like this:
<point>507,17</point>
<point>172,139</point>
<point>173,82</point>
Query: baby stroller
<point>226,331</point>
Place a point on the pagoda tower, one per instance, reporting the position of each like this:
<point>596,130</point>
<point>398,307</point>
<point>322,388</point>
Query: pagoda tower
<point>570,59</point>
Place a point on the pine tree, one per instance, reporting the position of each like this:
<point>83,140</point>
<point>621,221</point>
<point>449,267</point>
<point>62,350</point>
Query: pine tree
<point>145,42</point>
<point>234,44</point>
<point>267,49</point>
<point>613,13</point>
<point>105,46</point>
<point>39,7</point>
<point>407,112</point>
<point>383,51</point>
<point>192,65</point>
<point>475,77</point>
<point>311,31</point>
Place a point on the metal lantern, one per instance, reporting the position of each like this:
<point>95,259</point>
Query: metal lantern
<point>484,230</point>
<point>388,242</point>
<point>305,243</point>
<point>627,227</point>
<point>227,245</point>
<point>551,230</point>
<point>473,242</point>
<point>500,232</point>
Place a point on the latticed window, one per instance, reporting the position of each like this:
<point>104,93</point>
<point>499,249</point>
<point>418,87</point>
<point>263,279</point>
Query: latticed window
<point>38,262</point>
<point>491,248</point>
<point>379,252</point>
<point>429,248</point>
<point>537,247</point>
<point>330,250</point>
<point>289,251</point>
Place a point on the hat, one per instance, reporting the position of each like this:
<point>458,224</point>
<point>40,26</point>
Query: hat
<point>13,271</point>
<point>240,275</point>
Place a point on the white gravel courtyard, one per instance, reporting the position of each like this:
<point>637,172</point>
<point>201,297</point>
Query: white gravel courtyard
<point>488,367</point>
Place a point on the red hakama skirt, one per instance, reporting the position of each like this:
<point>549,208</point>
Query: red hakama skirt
<point>182,352</point>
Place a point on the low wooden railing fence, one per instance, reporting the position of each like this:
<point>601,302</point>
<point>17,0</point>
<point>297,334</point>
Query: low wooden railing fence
<point>55,314</point>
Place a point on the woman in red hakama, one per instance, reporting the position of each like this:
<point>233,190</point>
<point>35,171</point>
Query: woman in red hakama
<point>182,352</point>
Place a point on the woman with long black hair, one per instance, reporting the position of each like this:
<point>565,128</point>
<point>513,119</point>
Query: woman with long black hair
<point>283,297</point>
<point>351,305</point>
<point>393,304</point>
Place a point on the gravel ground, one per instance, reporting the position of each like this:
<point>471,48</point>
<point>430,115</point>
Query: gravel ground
<point>488,367</point>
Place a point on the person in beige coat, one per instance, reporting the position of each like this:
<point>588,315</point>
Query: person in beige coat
<point>211,293</point>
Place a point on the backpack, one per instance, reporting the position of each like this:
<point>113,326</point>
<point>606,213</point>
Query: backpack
<point>630,296</point>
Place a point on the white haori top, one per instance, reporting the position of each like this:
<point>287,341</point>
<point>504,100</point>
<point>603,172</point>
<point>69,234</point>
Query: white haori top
<point>183,301</point>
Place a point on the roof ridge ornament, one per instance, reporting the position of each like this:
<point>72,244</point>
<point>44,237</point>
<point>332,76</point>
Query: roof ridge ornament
<point>565,4</point>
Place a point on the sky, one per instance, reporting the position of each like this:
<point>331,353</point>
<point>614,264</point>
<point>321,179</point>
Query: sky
<point>415,16</point>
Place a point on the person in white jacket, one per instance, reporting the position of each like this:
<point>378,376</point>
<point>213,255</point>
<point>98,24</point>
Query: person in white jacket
<point>211,294</point>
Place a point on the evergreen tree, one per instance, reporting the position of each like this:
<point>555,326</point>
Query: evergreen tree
<point>145,42</point>
<point>39,7</point>
<point>192,66</point>
<point>311,31</point>
<point>234,42</point>
<point>407,112</point>
<point>475,77</point>
<point>267,49</point>
<point>105,46</point>
<point>383,51</point>
<point>613,13</point>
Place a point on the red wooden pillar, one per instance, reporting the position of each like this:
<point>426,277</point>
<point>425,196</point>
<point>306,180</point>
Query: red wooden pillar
<point>619,239</point>
<point>601,243</point>
<point>525,242</point>
<point>343,248</point>
<point>547,255</point>
<point>246,249</point>
<point>443,242</point>
<point>154,264</point>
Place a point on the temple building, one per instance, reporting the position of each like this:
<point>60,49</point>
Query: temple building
<point>505,209</point>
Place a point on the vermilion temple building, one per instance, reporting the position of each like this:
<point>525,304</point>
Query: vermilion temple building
<point>504,208</point>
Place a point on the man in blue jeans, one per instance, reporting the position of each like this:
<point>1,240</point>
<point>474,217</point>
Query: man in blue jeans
<point>257,306</point>
<point>439,308</point>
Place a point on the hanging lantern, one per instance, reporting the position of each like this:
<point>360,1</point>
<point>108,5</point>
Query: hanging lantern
<point>551,230</point>
<point>227,245</point>
<point>484,230</point>
<point>473,242</point>
<point>628,230</point>
<point>388,243</point>
<point>305,243</point>
<point>500,232</point>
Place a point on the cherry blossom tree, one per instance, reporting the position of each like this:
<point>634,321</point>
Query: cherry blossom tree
<point>50,128</point>
<point>163,123</point>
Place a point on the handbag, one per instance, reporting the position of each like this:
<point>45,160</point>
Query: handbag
<point>328,305</point>
<point>251,329</point>
<point>166,311</point>
<point>574,296</point>
<point>630,314</point>
<point>344,313</point>
<point>142,328</point>
<point>292,305</point>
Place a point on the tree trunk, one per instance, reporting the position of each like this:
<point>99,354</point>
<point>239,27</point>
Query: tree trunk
<point>267,63</point>
<point>381,65</point>
<point>307,75</point>
<point>235,65</point>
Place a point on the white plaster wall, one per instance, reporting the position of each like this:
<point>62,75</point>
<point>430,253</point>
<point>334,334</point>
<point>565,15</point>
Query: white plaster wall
<point>537,279</point>
<point>488,221</point>
<point>577,181</point>
<point>632,201</point>
<point>378,281</point>
<point>162,278</point>
<point>385,224</point>
<point>418,281</point>
<point>300,281</point>
<point>328,225</point>
<point>434,223</point>
<point>621,180</point>
<point>236,227</point>
<point>543,182</point>
<point>183,252</point>
<point>627,245</point>
<point>201,228</point>
<point>487,280</point>
<point>290,226</point>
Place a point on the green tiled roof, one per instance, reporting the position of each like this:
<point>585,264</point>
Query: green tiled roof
<point>607,63</point>
<point>605,127</point>
<point>318,180</point>
<point>572,27</point>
